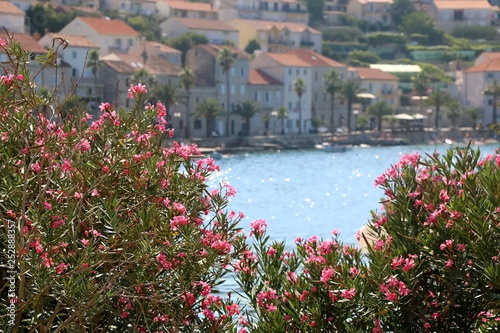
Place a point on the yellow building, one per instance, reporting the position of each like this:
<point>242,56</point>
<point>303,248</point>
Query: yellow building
<point>277,37</point>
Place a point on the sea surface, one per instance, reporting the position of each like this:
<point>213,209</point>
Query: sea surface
<point>304,193</point>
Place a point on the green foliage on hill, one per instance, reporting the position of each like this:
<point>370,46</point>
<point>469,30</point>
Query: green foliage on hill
<point>475,32</point>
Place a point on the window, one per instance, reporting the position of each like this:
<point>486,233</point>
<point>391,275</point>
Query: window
<point>278,97</point>
<point>267,96</point>
<point>242,71</point>
<point>223,89</point>
<point>232,71</point>
<point>298,71</point>
<point>242,89</point>
<point>74,54</point>
<point>118,42</point>
<point>122,5</point>
<point>130,42</point>
<point>315,97</point>
<point>305,71</point>
<point>316,77</point>
<point>232,89</point>
<point>289,105</point>
<point>197,124</point>
<point>289,71</point>
<point>324,97</point>
<point>73,72</point>
<point>256,96</point>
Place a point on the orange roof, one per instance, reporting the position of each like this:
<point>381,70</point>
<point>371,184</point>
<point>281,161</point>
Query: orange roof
<point>27,42</point>
<point>8,8</point>
<point>131,63</point>
<point>462,4</point>
<point>187,5</point>
<point>153,48</point>
<point>289,60</point>
<point>204,24</point>
<point>315,59</point>
<point>109,27</point>
<point>267,25</point>
<point>257,77</point>
<point>366,73</point>
<point>75,40</point>
<point>214,49</point>
<point>376,1</point>
<point>492,65</point>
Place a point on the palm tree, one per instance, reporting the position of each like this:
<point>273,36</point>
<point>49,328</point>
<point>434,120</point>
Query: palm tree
<point>208,109</point>
<point>168,94</point>
<point>379,110</point>
<point>247,110</point>
<point>350,90</point>
<point>493,90</point>
<point>187,82</point>
<point>299,88</point>
<point>143,76</point>
<point>333,84</point>
<point>226,61</point>
<point>94,62</point>
<point>282,115</point>
<point>420,84</point>
<point>454,112</point>
<point>438,98</point>
<point>474,115</point>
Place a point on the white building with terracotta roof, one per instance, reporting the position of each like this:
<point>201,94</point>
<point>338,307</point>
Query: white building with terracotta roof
<point>154,50</point>
<point>111,35</point>
<point>383,85</point>
<point>180,8</point>
<point>376,11</point>
<point>275,10</point>
<point>475,81</point>
<point>134,7</point>
<point>11,17</point>
<point>452,13</point>
<point>217,32</point>
<point>278,37</point>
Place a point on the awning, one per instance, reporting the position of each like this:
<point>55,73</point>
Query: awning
<point>365,95</point>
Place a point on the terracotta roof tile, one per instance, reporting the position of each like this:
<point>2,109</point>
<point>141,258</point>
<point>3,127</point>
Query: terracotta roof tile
<point>27,42</point>
<point>153,48</point>
<point>462,4</point>
<point>214,50</point>
<point>374,74</point>
<point>315,59</point>
<point>257,77</point>
<point>492,65</point>
<point>131,63</point>
<point>75,40</point>
<point>288,60</point>
<point>267,25</point>
<point>109,26</point>
<point>8,8</point>
<point>187,5</point>
<point>204,24</point>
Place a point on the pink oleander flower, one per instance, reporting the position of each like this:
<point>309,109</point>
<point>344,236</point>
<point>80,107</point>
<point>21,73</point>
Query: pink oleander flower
<point>449,263</point>
<point>135,91</point>
<point>84,145</point>
<point>258,227</point>
<point>348,294</point>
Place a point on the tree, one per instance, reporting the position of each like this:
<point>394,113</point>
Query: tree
<point>438,98</point>
<point>94,62</point>
<point>359,58</point>
<point>208,109</point>
<point>252,45</point>
<point>143,76</point>
<point>187,82</point>
<point>379,110</point>
<point>493,90</point>
<point>226,61</point>
<point>282,115</point>
<point>299,88</point>
<point>420,83</point>
<point>421,23</point>
<point>454,112</point>
<point>315,9</point>
<point>247,110</point>
<point>350,90</point>
<point>473,114</point>
<point>169,95</point>
<point>185,42</point>
<point>400,9</point>
<point>333,83</point>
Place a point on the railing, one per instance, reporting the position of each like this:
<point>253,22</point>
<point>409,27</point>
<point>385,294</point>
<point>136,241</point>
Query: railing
<point>280,41</point>
<point>306,43</point>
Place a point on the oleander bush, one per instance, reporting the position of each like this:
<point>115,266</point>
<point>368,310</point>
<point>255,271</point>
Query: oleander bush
<point>114,232</point>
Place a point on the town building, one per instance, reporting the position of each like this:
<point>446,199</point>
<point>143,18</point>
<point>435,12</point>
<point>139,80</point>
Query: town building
<point>134,7</point>
<point>276,10</point>
<point>187,9</point>
<point>150,51</point>
<point>111,35</point>
<point>11,17</point>
<point>277,37</point>
<point>375,11</point>
<point>217,32</point>
<point>383,85</point>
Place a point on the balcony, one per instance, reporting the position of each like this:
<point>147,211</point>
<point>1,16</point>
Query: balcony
<point>306,43</point>
<point>281,42</point>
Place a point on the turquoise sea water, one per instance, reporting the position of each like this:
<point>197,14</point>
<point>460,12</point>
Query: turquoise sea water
<point>306,193</point>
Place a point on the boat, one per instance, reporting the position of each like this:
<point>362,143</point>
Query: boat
<point>335,148</point>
